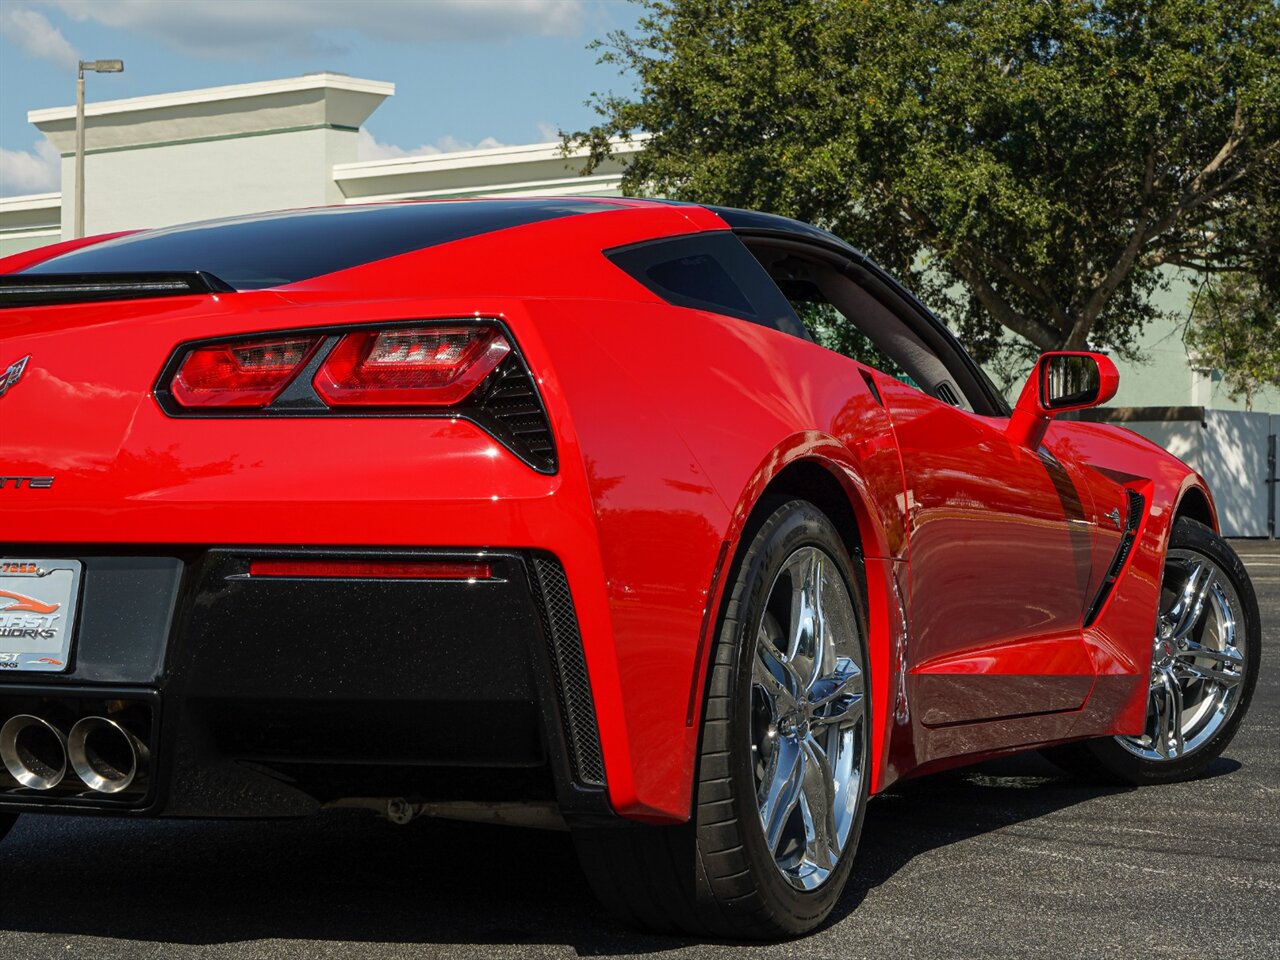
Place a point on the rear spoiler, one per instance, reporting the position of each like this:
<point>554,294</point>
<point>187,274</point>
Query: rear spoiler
<point>44,289</point>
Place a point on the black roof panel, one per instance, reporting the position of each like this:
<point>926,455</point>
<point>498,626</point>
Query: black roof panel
<point>273,249</point>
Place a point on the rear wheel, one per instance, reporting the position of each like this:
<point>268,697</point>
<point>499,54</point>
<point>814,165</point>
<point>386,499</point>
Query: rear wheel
<point>1204,665</point>
<point>782,779</point>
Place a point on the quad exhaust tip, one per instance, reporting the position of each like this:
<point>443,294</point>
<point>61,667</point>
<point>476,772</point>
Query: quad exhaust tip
<point>34,751</point>
<point>106,756</point>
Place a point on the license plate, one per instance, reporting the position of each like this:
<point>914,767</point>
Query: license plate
<point>37,614</point>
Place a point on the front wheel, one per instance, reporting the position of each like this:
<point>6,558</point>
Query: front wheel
<point>782,778</point>
<point>1204,665</point>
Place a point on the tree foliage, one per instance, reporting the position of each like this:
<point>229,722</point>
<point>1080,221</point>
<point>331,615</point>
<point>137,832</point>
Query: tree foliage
<point>1235,328</point>
<point>1030,165</point>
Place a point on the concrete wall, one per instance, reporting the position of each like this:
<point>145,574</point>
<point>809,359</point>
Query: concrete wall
<point>199,154</point>
<point>1229,449</point>
<point>29,222</point>
<point>1166,377</point>
<point>159,185</point>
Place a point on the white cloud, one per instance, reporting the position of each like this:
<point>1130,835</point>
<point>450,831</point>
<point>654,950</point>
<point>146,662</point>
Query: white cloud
<point>30,171</point>
<point>245,29</point>
<point>369,148</point>
<point>32,31</point>
<point>547,131</point>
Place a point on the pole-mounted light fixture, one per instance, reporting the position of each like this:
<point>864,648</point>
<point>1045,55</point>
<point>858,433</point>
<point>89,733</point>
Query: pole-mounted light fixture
<point>94,66</point>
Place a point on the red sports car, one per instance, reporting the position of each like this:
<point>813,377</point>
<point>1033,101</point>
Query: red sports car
<point>559,512</point>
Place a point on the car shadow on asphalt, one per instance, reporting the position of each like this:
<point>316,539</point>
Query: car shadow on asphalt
<point>916,816</point>
<point>348,877</point>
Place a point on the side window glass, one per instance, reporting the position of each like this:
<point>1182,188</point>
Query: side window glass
<point>833,330</point>
<point>709,271</point>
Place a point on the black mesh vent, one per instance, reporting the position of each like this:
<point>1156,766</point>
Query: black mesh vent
<point>1134,506</point>
<point>573,685</point>
<point>512,411</point>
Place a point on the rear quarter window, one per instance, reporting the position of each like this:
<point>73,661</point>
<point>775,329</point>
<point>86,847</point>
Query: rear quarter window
<point>713,272</point>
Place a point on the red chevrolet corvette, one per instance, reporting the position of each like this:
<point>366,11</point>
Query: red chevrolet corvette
<point>559,512</point>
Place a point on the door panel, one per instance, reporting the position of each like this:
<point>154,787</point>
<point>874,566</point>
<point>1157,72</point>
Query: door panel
<point>1001,546</point>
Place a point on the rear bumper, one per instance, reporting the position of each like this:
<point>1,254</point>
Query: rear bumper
<point>273,696</point>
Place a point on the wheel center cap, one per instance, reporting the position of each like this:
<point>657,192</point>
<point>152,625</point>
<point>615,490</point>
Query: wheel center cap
<point>797,723</point>
<point>806,718</point>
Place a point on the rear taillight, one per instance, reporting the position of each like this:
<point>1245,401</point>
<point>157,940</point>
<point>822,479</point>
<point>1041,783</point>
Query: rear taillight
<point>247,374</point>
<point>460,368</point>
<point>410,366</point>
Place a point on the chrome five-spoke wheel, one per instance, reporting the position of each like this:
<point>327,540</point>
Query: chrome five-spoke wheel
<point>1198,661</point>
<point>809,724</point>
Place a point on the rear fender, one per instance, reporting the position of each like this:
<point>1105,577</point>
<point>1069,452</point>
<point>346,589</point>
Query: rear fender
<point>683,419</point>
<point>885,578</point>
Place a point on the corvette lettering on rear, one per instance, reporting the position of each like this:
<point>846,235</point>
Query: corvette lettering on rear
<point>32,483</point>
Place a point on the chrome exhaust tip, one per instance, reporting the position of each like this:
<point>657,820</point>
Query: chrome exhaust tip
<point>106,756</point>
<point>34,751</point>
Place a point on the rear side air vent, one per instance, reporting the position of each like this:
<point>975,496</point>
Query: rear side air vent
<point>1135,503</point>
<point>48,289</point>
<point>568,663</point>
<point>511,409</point>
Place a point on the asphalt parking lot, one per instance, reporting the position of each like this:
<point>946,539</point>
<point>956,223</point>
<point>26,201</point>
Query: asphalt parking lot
<point>1009,860</point>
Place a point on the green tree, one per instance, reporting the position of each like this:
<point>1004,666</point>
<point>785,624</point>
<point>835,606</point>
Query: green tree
<point>1235,329</point>
<point>1033,166</point>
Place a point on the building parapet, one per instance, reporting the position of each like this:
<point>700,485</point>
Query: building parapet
<point>525,170</point>
<point>316,100</point>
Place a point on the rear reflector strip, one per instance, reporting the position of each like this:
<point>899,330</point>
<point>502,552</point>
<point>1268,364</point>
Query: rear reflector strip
<point>373,570</point>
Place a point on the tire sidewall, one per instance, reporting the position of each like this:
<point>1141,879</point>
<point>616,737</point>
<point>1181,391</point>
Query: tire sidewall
<point>794,525</point>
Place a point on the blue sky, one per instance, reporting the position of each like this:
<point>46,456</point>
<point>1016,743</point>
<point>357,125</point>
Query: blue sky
<point>467,72</point>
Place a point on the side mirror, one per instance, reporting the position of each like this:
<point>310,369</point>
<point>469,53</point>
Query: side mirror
<point>1061,382</point>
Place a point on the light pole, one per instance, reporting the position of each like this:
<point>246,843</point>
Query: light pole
<point>97,66</point>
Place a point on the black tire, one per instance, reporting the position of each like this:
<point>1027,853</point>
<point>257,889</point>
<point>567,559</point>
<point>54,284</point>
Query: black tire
<point>7,820</point>
<point>1106,760</point>
<point>715,875</point>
